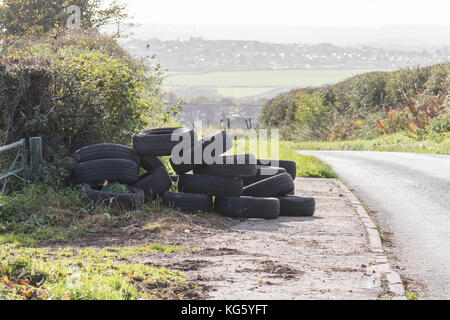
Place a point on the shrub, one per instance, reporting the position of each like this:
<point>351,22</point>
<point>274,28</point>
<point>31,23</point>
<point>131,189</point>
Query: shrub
<point>75,91</point>
<point>365,106</point>
<point>441,125</point>
<point>314,115</point>
<point>279,111</point>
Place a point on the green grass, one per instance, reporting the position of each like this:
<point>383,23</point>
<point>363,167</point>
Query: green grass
<point>39,213</point>
<point>85,274</point>
<point>115,188</point>
<point>307,166</point>
<point>399,142</point>
<point>272,78</point>
<point>254,83</point>
<point>154,227</point>
<point>243,92</point>
<point>34,264</point>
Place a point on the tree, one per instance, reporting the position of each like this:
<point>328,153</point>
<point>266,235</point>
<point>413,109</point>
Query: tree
<point>37,17</point>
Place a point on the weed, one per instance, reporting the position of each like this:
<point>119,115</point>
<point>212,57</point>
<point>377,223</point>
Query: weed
<point>115,188</point>
<point>411,295</point>
<point>153,227</point>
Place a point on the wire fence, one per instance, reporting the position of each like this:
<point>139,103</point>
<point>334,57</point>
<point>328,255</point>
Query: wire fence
<point>14,161</point>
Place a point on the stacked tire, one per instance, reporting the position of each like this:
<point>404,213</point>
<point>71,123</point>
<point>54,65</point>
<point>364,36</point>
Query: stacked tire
<point>237,186</point>
<point>240,186</point>
<point>198,190</point>
<point>102,164</point>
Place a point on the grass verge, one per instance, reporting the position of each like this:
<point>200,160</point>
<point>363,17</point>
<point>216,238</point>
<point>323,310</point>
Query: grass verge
<point>399,142</point>
<point>307,166</point>
<point>86,274</point>
<point>106,257</point>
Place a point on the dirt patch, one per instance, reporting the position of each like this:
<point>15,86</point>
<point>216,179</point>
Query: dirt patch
<point>274,270</point>
<point>190,230</point>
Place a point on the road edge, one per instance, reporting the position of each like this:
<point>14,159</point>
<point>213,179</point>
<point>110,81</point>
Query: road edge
<point>382,266</point>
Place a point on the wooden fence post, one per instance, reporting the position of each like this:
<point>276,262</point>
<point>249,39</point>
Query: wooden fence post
<point>35,156</point>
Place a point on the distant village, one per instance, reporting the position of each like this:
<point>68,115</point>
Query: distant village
<point>199,55</point>
<point>202,56</point>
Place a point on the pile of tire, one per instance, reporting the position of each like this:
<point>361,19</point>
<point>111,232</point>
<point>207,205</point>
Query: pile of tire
<point>237,186</point>
<point>107,163</point>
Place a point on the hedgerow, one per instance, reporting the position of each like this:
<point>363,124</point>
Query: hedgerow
<point>75,90</point>
<point>366,106</point>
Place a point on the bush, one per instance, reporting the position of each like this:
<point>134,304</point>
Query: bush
<point>441,125</point>
<point>279,111</point>
<point>75,91</point>
<point>365,106</point>
<point>314,115</point>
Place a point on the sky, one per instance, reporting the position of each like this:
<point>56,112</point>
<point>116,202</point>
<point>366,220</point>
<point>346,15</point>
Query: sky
<point>291,12</point>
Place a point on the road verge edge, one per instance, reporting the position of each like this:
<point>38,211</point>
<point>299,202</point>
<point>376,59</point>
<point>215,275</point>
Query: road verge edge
<point>382,266</point>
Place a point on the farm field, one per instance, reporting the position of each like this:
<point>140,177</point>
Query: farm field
<point>257,83</point>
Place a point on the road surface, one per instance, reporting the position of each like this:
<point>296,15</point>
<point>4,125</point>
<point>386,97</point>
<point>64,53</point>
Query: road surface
<point>411,195</point>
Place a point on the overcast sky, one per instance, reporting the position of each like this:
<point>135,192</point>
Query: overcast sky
<point>291,12</point>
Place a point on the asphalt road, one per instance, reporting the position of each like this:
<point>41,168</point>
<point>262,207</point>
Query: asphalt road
<point>411,195</point>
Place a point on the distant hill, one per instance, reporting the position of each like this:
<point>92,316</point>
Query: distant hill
<point>385,37</point>
<point>200,55</point>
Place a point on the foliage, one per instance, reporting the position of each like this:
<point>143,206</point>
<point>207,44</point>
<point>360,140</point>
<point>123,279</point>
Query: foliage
<point>313,114</point>
<point>38,17</point>
<point>280,113</point>
<point>366,106</point>
<point>280,110</point>
<point>77,90</point>
<point>116,188</point>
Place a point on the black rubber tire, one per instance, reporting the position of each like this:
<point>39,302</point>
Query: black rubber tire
<point>151,163</point>
<point>158,142</point>
<point>132,200</point>
<point>263,172</point>
<point>275,186</point>
<point>292,193</point>
<point>187,202</point>
<point>290,166</point>
<point>154,183</point>
<point>210,185</point>
<point>297,206</point>
<point>200,147</point>
<point>248,207</point>
<point>222,169</point>
<point>96,172</point>
<point>105,151</point>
